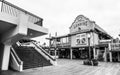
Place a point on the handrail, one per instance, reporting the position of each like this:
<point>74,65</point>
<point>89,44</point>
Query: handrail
<point>16,57</point>
<point>15,11</point>
<point>44,52</point>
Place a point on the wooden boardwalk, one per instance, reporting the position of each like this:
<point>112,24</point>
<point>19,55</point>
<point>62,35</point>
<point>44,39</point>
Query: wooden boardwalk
<point>72,67</point>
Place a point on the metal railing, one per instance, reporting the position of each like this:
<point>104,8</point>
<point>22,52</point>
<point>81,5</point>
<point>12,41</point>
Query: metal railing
<point>44,51</point>
<point>13,10</point>
<point>16,57</point>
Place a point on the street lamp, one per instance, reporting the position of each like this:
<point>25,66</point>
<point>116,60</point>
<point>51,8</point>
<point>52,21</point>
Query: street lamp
<point>88,35</point>
<point>55,45</point>
<point>90,61</point>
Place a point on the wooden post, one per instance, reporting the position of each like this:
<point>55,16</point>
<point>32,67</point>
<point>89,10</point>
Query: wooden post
<point>50,43</point>
<point>118,56</point>
<point>97,53</point>
<point>89,48</point>
<point>55,45</point>
<point>94,52</point>
<point>110,54</point>
<point>71,53</point>
<point>105,55</point>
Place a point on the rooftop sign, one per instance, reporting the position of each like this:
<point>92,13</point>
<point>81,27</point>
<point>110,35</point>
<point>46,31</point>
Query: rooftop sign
<point>81,23</point>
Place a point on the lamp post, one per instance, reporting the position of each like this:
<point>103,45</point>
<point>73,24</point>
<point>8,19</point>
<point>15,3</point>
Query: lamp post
<point>90,61</point>
<point>88,35</point>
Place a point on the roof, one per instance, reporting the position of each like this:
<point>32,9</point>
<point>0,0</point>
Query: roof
<point>90,26</point>
<point>53,37</point>
<point>69,34</point>
<point>77,18</point>
<point>99,28</point>
<point>82,18</point>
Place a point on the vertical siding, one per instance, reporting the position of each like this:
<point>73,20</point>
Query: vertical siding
<point>96,39</point>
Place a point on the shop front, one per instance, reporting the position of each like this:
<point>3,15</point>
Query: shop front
<point>82,41</point>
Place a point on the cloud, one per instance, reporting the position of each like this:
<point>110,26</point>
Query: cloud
<point>58,15</point>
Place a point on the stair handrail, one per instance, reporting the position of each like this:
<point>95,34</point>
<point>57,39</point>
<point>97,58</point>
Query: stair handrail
<point>18,43</point>
<point>20,62</point>
<point>44,51</point>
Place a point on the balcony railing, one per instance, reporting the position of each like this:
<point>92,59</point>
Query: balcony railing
<point>114,46</point>
<point>61,45</point>
<point>13,10</point>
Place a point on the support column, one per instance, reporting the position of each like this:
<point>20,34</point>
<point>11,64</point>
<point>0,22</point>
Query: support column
<point>97,53</point>
<point>110,54</point>
<point>71,53</point>
<point>6,56</point>
<point>94,52</point>
<point>105,55</point>
<point>118,56</point>
<point>55,53</point>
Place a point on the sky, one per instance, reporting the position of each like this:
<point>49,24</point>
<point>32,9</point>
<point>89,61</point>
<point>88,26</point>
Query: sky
<point>58,15</point>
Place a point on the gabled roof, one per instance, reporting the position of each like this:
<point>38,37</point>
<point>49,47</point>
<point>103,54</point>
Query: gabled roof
<point>79,17</point>
<point>92,24</point>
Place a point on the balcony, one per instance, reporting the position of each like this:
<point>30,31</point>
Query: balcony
<point>16,23</point>
<point>114,47</point>
<point>61,45</point>
<point>103,43</point>
<point>15,11</point>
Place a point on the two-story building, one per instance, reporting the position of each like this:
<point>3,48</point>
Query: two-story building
<point>82,42</point>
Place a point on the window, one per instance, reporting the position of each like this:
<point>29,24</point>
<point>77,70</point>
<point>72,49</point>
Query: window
<point>81,39</point>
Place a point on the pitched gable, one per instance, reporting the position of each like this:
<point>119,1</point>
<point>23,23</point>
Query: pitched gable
<point>81,23</point>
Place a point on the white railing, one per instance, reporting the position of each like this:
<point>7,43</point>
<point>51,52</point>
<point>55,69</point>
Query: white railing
<point>114,46</point>
<point>13,10</point>
<point>45,54</point>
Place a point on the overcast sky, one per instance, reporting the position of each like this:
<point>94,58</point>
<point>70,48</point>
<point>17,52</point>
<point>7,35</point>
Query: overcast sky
<point>58,15</point>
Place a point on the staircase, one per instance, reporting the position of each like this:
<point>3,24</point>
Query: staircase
<point>30,57</point>
<point>45,53</point>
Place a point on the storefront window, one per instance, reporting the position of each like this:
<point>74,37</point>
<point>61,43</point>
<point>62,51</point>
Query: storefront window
<point>65,40</point>
<point>81,39</point>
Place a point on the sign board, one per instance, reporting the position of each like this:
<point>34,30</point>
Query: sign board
<point>81,39</point>
<point>81,23</point>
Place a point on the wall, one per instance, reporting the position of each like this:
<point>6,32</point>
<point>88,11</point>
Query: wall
<point>93,39</point>
<point>19,28</point>
<point>96,39</point>
<point>81,23</point>
<point>76,40</point>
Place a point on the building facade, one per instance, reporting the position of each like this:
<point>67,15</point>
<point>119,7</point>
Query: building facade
<point>82,42</point>
<point>15,24</point>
